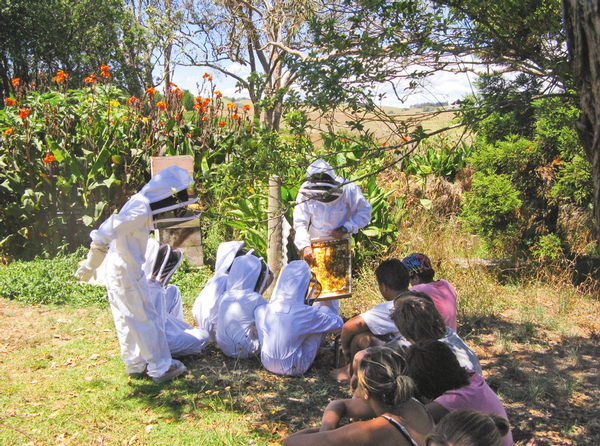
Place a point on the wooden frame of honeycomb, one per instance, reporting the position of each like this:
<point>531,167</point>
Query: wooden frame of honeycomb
<point>333,267</point>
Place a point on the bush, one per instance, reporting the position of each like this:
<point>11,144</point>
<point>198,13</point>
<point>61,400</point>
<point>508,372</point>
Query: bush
<point>491,209</point>
<point>69,158</point>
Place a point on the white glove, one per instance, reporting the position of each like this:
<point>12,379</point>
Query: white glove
<point>94,259</point>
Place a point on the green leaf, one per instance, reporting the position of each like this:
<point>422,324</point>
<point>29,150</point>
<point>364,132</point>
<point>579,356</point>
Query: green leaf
<point>371,231</point>
<point>56,150</point>
<point>170,125</point>
<point>112,181</point>
<point>103,156</point>
<point>426,203</point>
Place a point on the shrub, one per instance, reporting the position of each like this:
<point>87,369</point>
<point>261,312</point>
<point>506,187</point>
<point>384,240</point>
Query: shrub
<point>69,158</point>
<point>491,209</point>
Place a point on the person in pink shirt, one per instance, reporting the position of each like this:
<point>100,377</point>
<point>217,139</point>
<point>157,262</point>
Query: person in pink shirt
<point>448,386</point>
<point>441,291</point>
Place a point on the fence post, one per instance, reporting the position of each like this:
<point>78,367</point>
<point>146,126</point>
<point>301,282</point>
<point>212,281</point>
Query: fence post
<point>274,227</point>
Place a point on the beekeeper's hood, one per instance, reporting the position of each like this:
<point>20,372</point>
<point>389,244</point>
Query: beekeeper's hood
<point>322,184</point>
<point>226,254</point>
<point>167,194</point>
<point>244,274</point>
<point>292,284</point>
<point>321,167</point>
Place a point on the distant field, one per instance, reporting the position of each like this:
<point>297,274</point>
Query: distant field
<point>384,129</point>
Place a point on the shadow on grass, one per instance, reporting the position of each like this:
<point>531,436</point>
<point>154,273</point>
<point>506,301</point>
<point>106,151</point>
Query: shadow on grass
<point>273,405</point>
<point>549,384</point>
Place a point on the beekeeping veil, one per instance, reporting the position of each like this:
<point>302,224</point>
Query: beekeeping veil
<point>167,193</point>
<point>322,184</point>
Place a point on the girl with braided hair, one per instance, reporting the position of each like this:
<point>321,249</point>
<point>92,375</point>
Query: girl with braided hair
<point>384,397</point>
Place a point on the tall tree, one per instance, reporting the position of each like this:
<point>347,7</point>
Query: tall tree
<point>48,35</point>
<point>582,23</point>
<point>258,35</point>
<point>493,36</point>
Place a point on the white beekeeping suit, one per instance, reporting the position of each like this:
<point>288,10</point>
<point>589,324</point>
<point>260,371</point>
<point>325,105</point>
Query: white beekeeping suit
<point>161,263</point>
<point>336,203</point>
<point>138,308</point>
<point>236,330</point>
<point>206,305</point>
<point>289,330</point>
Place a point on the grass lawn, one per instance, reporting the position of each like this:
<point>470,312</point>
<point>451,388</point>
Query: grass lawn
<point>62,380</point>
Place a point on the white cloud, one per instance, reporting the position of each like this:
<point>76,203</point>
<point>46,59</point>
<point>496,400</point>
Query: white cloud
<point>440,87</point>
<point>239,70</point>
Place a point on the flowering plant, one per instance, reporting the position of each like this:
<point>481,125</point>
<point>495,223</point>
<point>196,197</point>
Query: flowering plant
<point>69,158</point>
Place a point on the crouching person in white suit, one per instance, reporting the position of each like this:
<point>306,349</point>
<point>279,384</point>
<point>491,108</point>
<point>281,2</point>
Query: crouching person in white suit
<point>236,331</point>
<point>161,263</point>
<point>136,306</point>
<point>206,306</point>
<point>289,329</point>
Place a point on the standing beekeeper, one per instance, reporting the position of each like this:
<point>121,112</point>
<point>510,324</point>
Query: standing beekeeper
<point>236,331</point>
<point>290,330</point>
<point>206,305</point>
<point>327,205</point>
<point>135,305</point>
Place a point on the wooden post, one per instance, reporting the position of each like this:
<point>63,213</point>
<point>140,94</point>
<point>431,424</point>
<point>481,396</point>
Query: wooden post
<point>274,228</point>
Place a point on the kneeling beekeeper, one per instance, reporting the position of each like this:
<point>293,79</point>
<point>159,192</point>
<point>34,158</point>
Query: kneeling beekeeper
<point>136,306</point>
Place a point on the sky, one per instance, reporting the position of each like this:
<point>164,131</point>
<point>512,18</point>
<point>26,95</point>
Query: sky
<point>443,87</point>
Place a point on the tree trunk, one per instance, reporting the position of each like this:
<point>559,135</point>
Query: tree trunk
<point>274,226</point>
<point>582,25</point>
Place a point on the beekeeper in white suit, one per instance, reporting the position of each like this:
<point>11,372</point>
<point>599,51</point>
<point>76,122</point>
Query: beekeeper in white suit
<point>327,205</point>
<point>236,331</point>
<point>206,305</point>
<point>137,307</point>
<point>162,261</point>
<point>290,331</point>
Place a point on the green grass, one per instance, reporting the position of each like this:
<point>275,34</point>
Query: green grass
<point>62,380</point>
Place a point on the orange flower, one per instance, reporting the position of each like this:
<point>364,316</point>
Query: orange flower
<point>16,82</point>
<point>206,75</point>
<point>91,79</point>
<point>172,85</point>
<point>61,76</point>
<point>161,104</point>
<point>23,113</point>
<point>404,139</point>
<point>246,107</point>
<point>9,131</point>
<point>178,116</point>
<point>198,99</point>
<point>205,102</point>
<point>210,78</point>
<point>218,94</point>
<point>231,105</point>
<point>180,94</point>
<point>132,100</point>
<point>189,135</point>
<point>10,101</point>
<point>236,117</point>
<point>151,91</point>
<point>49,158</point>
<point>197,107</point>
<point>204,118</point>
<point>222,124</point>
<point>204,109</point>
<point>104,70</point>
